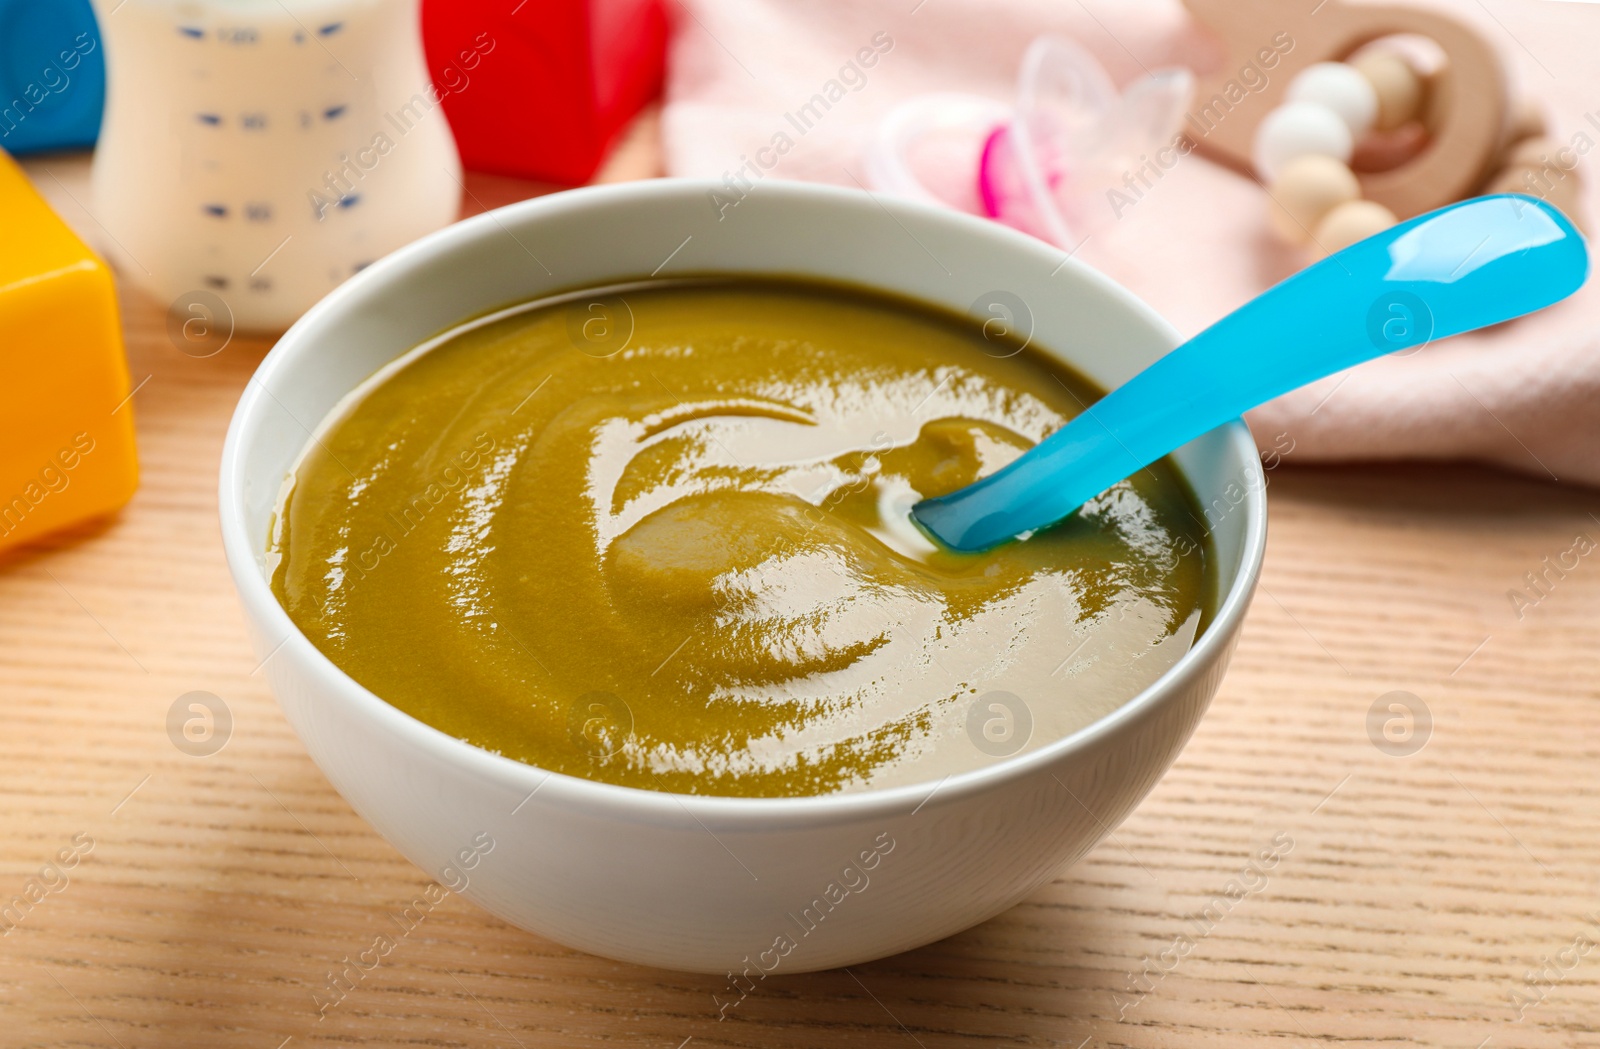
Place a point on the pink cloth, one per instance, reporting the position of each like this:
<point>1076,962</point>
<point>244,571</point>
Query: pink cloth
<point>1525,395</point>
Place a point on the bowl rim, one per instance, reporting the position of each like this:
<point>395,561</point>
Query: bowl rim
<point>635,804</point>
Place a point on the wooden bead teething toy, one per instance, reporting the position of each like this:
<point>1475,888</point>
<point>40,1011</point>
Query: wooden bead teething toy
<point>1348,139</point>
<point>1471,117</point>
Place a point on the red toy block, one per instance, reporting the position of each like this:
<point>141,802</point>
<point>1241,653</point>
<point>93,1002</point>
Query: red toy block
<point>541,89</point>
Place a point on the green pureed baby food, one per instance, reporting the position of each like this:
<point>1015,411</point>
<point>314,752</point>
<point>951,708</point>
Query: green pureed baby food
<point>658,537</point>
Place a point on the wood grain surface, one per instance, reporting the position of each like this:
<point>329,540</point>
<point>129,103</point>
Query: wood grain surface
<point>212,897</point>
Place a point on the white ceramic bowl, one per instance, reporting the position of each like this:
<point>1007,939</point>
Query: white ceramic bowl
<point>703,883</point>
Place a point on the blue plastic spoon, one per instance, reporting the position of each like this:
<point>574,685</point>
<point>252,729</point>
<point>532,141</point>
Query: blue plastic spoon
<point>1466,266</point>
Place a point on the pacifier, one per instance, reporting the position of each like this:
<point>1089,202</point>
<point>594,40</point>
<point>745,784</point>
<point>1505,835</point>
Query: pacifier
<point>1067,159</point>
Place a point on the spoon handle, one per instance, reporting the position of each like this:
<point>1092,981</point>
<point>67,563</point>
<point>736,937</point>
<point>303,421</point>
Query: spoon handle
<point>1466,266</point>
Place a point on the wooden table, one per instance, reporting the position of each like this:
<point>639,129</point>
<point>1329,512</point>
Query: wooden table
<point>214,895</point>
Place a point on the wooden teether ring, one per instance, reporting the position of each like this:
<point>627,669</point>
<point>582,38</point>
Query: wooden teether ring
<point>1471,119</point>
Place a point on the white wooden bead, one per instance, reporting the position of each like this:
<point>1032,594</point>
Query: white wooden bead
<point>1305,190</point>
<point>1341,89</point>
<point>1350,222</point>
<point>1298,129</point>
<point>1398,86</point>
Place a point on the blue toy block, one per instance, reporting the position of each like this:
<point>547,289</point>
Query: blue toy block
<point>52,75</point>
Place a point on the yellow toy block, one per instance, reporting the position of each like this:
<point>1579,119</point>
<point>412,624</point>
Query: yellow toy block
<point>66,435</point>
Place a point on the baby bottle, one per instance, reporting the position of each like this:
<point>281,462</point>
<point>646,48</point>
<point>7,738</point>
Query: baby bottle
<point>255,153</point>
